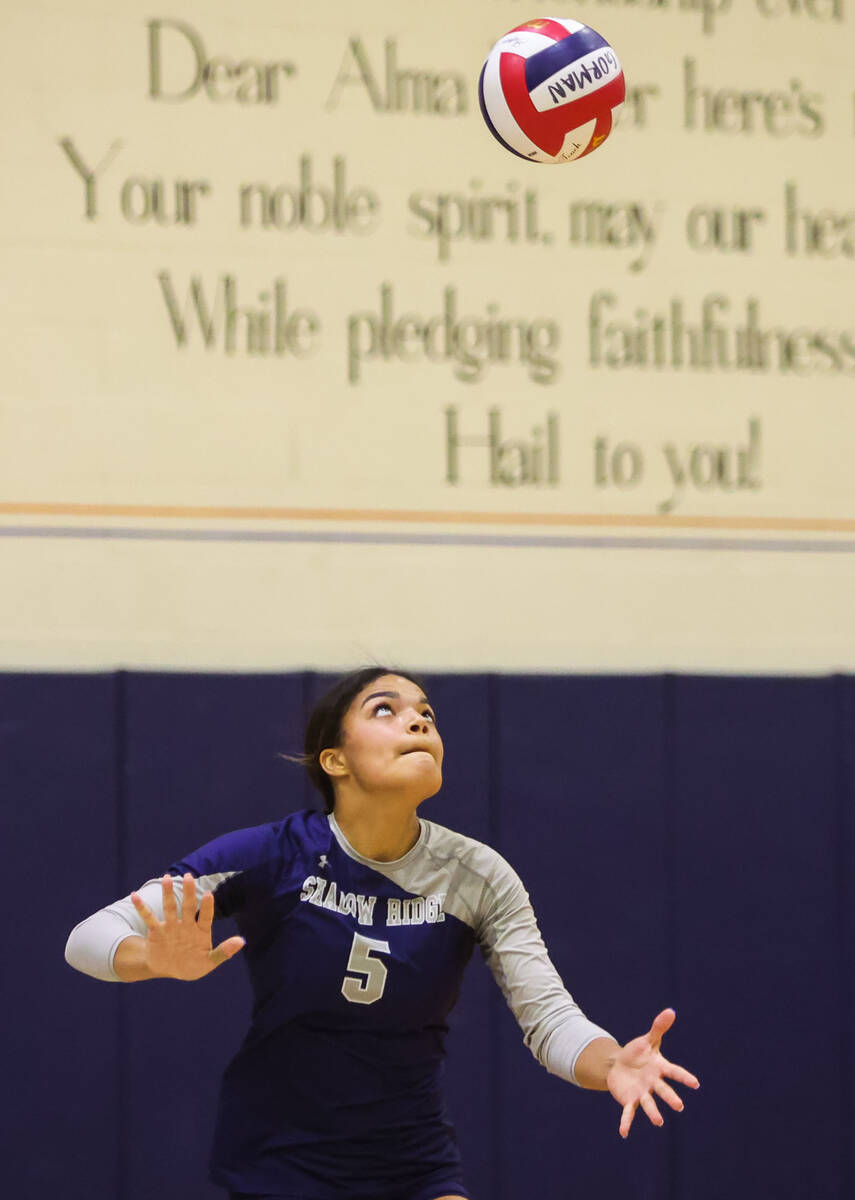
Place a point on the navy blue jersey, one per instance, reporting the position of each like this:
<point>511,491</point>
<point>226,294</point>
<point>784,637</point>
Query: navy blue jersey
<point>352,981</point>
<point>355,966</point>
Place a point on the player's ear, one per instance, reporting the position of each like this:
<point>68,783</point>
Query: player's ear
<point>333,762</point>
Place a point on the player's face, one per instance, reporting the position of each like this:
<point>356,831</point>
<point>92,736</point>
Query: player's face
<point>391,741</point>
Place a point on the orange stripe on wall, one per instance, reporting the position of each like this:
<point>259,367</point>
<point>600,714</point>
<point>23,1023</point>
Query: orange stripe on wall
<point>427,517</point>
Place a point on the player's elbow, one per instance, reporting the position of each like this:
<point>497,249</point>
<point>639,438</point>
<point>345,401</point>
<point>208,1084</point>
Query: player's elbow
<point>86,950</point>
<point>74,948</point>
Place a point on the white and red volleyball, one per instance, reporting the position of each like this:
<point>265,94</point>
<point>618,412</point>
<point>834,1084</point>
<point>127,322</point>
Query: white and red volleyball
<point>551,90</point>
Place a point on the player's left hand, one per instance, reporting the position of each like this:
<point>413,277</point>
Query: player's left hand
<point>639,1072</point>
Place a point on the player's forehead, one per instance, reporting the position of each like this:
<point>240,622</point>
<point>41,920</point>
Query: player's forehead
<point>393,687</point>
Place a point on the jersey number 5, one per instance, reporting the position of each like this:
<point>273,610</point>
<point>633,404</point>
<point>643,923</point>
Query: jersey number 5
<point>369,987</point>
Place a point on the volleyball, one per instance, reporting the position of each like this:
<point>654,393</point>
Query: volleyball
<point>551,90</point>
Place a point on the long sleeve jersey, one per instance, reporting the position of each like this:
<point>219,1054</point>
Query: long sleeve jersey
<point>355,965</point>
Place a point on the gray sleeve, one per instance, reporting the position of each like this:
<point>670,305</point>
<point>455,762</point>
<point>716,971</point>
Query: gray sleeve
<point>92,945</point>
<point>554,1027</point>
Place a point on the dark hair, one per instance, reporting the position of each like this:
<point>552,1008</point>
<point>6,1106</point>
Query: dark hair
<point>324,728</point>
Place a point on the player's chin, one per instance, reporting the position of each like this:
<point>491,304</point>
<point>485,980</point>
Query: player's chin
<point>430,787</point>
<point>421,765</point>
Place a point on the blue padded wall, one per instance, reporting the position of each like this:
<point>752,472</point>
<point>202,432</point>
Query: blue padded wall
<point>60,801</point>
<point>202,758</point>
<point>756,819</point>
<point>686,841</point>
<point>580,814</point>
<point>845,757</point>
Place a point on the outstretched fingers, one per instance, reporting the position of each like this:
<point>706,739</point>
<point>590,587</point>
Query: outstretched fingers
<point>188,900</point>
<point>151,921</point>
<point>205,916</point>
<point>170,904</point>
<point>681,1075</point>
<point>226,950</point>
<point>626,1117</point>
<point>179,945</point>
<point>649,1105</point>
<point>667,1093</point>
<point>661,1024</point>
<point>640,1075</point>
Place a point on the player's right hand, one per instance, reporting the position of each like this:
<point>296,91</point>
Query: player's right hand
<point>179,947</point>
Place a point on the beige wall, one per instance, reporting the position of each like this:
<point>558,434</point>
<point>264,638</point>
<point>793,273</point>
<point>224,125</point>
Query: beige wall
<point>670,481</point>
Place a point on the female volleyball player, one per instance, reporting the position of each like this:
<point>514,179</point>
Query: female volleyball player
<point>358,924</point>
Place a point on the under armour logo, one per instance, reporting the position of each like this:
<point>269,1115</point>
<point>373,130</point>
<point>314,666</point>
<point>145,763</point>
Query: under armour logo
<point>322,862</point>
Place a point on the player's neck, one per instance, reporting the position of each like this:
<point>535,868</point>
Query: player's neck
<point>379,830</point>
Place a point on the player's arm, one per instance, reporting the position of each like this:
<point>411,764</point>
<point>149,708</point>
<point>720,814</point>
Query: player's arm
<point>594,1063</point>
<point>555,1029</point>
<point>163,930</point>
<point>160,932</point>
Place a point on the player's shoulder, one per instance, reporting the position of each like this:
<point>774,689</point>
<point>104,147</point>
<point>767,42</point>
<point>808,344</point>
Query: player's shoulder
<point>253,845</point>
<point>473,856</point>
<point>480,883</point>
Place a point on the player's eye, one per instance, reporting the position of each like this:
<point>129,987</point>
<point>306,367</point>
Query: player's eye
<point>384,704</point>
<point>429,713</point>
